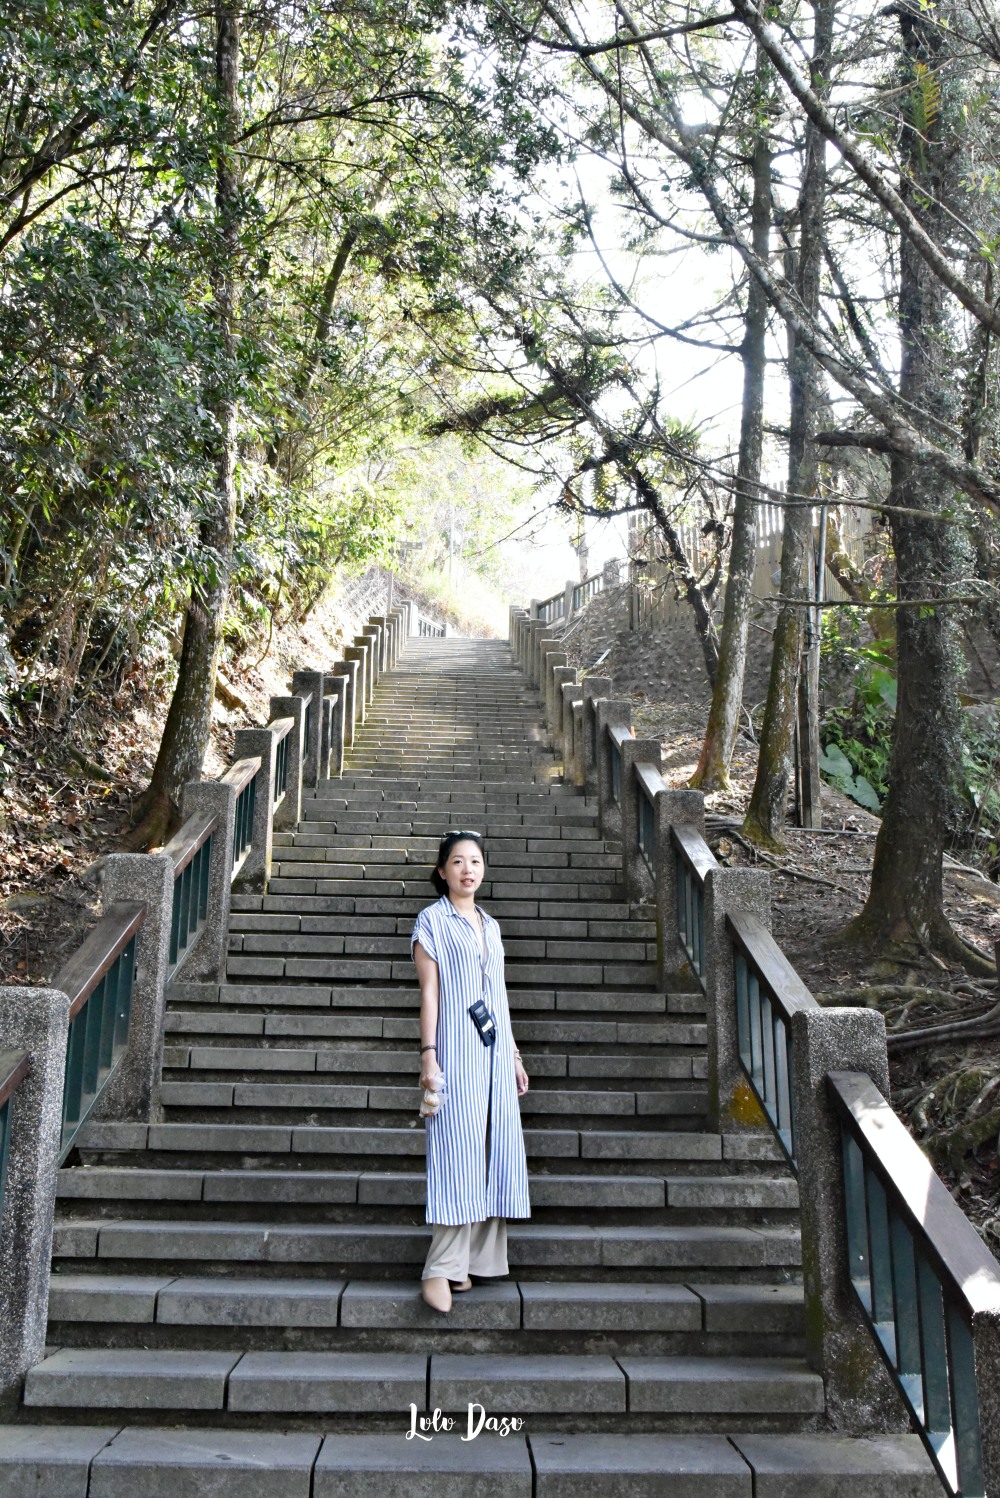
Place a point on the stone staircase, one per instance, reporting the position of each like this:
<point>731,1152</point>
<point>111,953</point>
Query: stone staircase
<point>236,1288</point>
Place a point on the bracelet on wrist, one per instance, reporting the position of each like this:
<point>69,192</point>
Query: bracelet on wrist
<point>424,1048</point>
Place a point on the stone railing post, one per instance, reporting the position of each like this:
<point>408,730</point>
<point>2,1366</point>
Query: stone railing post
<point>522,626</point>
<point>336,690</point>
<point>132,1094</point>
<point>730,1102</point>
<point>255,870</point>
<point>364,642</point>
<point>543,642</point>
<point>359,655</point>
<point>373,634</point>
<point>205,959</point>
<point>561,676</point>
<point>547,650</point>
<point>673,808</point>
<point>593,688</point>
<point>289,813</point>
<point>306,683</point>
<point>568,592</point>
<point>571,692</point>
<point>859,1393</point>
<point>381,623</point>
<point>535,631</point>
<point>349,671</point>
<point>637,877</point>
<point>399,620</point>
<point>576,753</point>
<point>555,659</point>
<point>35,1021</point>
<point>609,712</point>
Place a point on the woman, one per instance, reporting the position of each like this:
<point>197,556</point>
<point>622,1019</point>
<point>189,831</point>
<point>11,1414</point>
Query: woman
<point>476,1170</point>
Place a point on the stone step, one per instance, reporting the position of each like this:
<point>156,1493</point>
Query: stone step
<point>382,969</point>
<point>575,1034</point>
<point>609,1308</point>
<point>357,1059</point>
<point>260,1141</point>
<point>212,1099</point>
<point>523,1001</point>
<point>590,885</point>
<point>377,944</point>
<point>111,1461</point>
<point>285,923</point>
<point>114,1184</point>
<point>687,1247</point>
<point>318,1383</point>
<point>404,908</point>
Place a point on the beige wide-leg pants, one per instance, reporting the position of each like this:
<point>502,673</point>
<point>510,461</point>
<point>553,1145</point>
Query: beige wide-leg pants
<point>467,1248</point>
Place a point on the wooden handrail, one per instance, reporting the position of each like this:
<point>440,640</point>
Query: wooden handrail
<point>694,849</point>
<point>241,773</point>
<point>281,727</point>
<point>650,780</point>
<point>193,835</point>
<point>785,988</point>
<point>96,956</point>
<point>14,1067</point>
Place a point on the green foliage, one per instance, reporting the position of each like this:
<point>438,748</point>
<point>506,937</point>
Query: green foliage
<point>857,739</point>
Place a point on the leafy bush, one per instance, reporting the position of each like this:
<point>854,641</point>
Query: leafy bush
<point>857,740</point>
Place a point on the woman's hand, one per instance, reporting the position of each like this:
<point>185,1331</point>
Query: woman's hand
<point>521,1077</point>
<point>429,1071</point>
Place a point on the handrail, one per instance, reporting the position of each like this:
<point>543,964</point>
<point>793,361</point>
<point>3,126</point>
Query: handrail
<point>768,992</point>
<point>14,1067</point>
<point>281,728</point>
<point>240,773</point>
<point>920,1273</point>
<point>185,843</point>
<point>191,850</point>
<point>98,952</point>
<point>99,980</point>
<point>243,776</point>
<point>650,783</point>
<point>693,858</point>
<point>617,734</point>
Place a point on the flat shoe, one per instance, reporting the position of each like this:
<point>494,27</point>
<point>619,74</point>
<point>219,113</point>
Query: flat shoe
<point>458,1289</point>
<point>436,1293</point>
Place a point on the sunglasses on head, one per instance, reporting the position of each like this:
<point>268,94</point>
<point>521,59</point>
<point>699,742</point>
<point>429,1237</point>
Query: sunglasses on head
<point>459,832</point>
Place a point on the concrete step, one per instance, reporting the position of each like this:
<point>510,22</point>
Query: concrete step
<point>524,1001</point>
<point>355,1058</point>
<point>108,1461</point>
<point>598,974</point>
<point>343,1247</point>
<point>548,1306</point>
<point>318,1383</point>
<point>116,1184</point>
<point>263,1141</point>
<point>219,1025</point>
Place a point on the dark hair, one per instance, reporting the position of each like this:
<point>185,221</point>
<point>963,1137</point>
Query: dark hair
<point>447,843</point>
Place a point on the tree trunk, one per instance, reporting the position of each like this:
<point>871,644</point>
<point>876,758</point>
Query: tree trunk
<point>712,772</point>
<point>189,719</point>
<point>905,903</point>
<point>765,819</point>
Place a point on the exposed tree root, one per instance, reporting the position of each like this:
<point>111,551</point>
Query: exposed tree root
<point>158,820</point>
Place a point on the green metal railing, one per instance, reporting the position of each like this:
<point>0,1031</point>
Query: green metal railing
<point>646,817</point>
<point>921,1274</point>
<point>307,718</point>
<point>191,851</point>
<point>616,737</point>
<point>243,777</point>
<point>553,608</point>
<point>283,728</point>
<point>692,860</point>
<point>768,991</point>
<point>585,591</point>
<point>429,628</point>
<point>99,981</point>
<point>14,1067</point>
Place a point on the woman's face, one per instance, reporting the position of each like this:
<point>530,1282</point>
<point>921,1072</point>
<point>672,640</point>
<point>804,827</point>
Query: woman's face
<point>463,869</point>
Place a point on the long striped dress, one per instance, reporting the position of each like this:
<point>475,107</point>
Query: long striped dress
<point>464,1183</point>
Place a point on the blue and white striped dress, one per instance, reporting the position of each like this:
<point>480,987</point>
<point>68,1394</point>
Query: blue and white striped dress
<point>462,1185</point>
